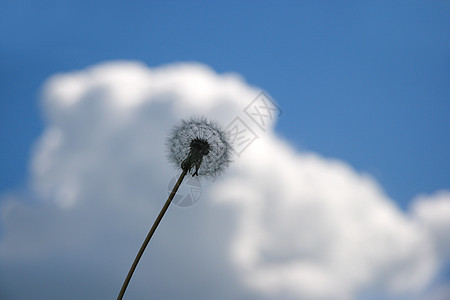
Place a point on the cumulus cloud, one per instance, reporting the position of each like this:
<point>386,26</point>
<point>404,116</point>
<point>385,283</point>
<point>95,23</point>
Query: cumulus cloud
<point>313,228</point>
<point>433,214</point>
<point>278,225</point>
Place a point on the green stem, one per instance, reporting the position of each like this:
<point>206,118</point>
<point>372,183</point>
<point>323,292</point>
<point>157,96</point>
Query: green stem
<point>150,234</point>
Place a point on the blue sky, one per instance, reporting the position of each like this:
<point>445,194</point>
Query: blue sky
<point>359,81</point>
<point>363,82</point>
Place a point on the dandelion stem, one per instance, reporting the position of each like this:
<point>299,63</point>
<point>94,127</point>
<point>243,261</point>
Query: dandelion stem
<point>150,234</point>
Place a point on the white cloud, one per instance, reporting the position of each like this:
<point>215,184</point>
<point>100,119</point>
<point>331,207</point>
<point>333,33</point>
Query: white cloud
<point>278,225</point>
<point>433,214</point>
<point>316,229</point>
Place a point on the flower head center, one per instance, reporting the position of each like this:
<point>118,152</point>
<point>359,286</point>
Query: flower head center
<point>200,146</point>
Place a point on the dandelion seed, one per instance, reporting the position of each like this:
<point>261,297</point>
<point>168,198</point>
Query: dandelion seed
<point>198,147</point>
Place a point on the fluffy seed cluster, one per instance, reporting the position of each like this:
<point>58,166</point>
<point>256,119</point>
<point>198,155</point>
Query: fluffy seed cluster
<point>200,147</point>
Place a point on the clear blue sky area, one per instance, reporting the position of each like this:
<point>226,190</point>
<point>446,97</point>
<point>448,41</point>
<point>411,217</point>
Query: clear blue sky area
<point>366,82</point>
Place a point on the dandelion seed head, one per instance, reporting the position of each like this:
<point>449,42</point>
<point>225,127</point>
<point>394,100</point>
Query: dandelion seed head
<point>200,147</point>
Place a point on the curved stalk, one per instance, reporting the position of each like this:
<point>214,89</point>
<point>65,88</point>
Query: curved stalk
<point>150,234</point>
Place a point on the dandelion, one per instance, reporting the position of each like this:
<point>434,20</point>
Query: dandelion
<point>198,147</point>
